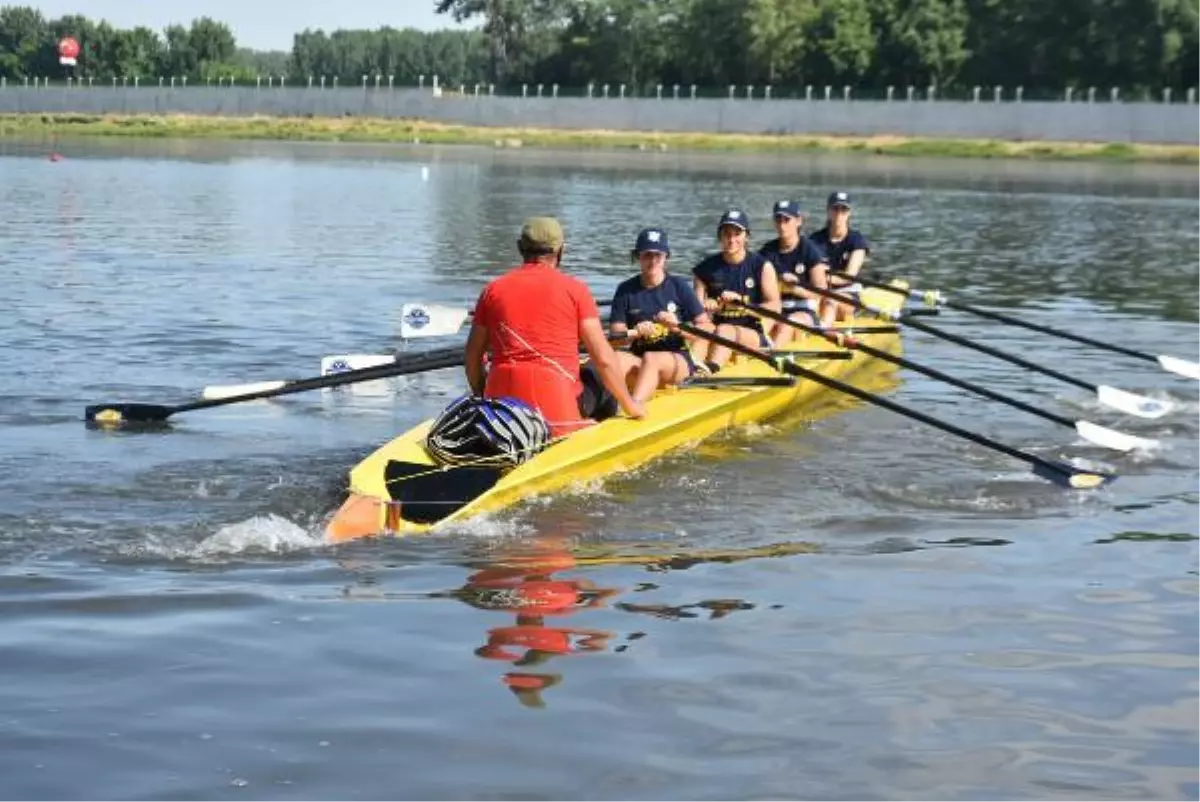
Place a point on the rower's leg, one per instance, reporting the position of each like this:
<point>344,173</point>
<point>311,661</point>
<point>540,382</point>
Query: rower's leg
<point>630,366</point>
<point>718,354</point>
<point>657,368</point>
<point>782,334</point>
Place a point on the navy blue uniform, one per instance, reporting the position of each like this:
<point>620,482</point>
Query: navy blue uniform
<point>838,253</point>
<point>744,278</point>
<point>798,261</point>
<point>634,303</point>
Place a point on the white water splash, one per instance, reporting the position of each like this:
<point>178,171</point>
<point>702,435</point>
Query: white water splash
<point>262,534</point>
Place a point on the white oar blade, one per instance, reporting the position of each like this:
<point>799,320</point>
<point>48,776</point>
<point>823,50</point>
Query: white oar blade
<point>431,320</point>
<point>1110,438</point>
<point>1131,403</point>
<point>1181,367</point>
<point>216,391</point>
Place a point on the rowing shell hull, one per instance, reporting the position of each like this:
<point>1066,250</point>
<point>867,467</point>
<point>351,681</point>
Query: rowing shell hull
<point>390,486</point>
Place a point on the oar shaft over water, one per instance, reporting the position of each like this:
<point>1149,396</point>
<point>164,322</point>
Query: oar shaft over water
<point>1059,473</point>
<point>965,343</point>
<point>917,366</point>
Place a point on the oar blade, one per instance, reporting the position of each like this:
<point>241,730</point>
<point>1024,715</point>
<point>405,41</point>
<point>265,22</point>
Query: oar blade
<point>119,414</point>
<point>431,320</point>
<point>1068,476</point>
<point>1110,438</point>
<point>215,391</point>
<point>1131,403</point>
<point>1181,367</point>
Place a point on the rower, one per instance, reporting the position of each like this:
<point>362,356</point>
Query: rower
<point>800,264</point>
<point>532,320</point>
<point>846,249</point>
<point>647,308</point>
<point>733,275</point>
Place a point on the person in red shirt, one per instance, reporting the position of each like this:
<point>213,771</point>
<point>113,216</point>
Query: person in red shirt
<point>532,320</point>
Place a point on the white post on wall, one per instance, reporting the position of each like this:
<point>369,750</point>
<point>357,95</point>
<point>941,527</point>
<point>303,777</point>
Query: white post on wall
<point>605,90</point>
<point>846,93</point>
<point>658,91</point>
<point>1091,94</point>
<point>891,90</point>
<point>622,90</point>
<point>1167,95</point>
<point>808,91</point>
<point>828,91</point>
<point>749,93</point>
<point>675,91</point>
<point>732,90</point>
<point>912,91</point>
<point>1020,93</point>
<point>1070,91</point>
<point>975,94</point>
<point>554,90</point>
<point>591,86</point>
<point>997,92</point>
<point>693,91</point>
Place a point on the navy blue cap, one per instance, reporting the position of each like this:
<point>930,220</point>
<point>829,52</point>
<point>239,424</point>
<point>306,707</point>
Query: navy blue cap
<point>734,217</point>
<point>838,199</point>
<point>786,207</point>
<point>653,240</point>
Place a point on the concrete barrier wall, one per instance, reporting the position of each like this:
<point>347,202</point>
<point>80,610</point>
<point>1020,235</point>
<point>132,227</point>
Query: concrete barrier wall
<point>1175,123</point>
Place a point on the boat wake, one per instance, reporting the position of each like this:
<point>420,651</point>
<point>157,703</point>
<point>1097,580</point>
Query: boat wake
<point>262,534</point>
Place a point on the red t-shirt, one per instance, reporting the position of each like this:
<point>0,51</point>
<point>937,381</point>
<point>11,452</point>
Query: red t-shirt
<point>532,314</point>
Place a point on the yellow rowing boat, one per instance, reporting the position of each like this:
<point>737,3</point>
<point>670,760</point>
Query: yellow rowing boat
<point>400,490</point>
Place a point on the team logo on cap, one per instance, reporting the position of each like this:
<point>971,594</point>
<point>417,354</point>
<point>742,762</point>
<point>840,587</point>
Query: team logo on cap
<point>653,236</point>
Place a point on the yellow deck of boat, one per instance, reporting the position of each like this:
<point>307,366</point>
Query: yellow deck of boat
<point>675,416</point>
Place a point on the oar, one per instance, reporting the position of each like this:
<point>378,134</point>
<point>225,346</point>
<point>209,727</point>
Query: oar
<point>1127,402</point>
<point>935,298</point>
<point>418,320</point>
<point>330,365</point>
<point>1060,473</point>
<point>118,413</point>
<point>1092,432</point>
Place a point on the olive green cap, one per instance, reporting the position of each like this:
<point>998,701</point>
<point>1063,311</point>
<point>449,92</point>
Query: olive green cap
<point>541,234</point>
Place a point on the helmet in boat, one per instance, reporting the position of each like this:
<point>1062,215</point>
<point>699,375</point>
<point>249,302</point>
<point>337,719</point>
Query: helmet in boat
<point>499,432</point>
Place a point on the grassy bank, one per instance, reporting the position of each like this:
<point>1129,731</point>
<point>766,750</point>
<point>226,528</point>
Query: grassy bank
<point>362,129</point>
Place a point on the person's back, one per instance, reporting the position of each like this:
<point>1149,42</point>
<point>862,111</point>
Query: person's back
<point>532,320</point>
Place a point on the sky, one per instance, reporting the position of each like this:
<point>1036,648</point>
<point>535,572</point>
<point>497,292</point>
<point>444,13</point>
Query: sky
<point>260,24</point>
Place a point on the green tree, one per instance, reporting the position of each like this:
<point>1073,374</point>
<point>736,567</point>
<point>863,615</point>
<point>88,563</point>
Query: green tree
<point>24,36</point>
<point>780,35</point>
<point>921,41</point>
<point>845,40</point>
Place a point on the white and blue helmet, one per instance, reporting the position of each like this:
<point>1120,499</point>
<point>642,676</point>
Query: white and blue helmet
<point>497,432</point>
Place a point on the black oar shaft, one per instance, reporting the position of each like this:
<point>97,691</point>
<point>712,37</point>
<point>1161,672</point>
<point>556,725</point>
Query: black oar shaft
<point>433,360</point>
<point>878,400</point>
<point>966,343</point>
<point>918,367</point>
<point>1016,321</point>
<point>1038,327</point>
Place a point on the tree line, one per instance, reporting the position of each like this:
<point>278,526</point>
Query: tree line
<point>867,44</point>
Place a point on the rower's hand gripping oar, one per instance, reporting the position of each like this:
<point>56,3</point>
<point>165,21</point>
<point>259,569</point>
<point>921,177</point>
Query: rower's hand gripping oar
<point>1123,400</point>
<point>935,298</point>
<point>1060,473</point>
<point>1091,432</point>
<point>120,413</point>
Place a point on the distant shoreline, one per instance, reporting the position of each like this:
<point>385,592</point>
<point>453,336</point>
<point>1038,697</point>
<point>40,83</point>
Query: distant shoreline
<point>411,131</point>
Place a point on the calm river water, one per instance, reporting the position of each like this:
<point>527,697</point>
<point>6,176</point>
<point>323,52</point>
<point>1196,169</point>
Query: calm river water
<point>933,622</point>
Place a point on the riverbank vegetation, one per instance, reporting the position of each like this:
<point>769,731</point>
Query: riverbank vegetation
<point>362,129</point>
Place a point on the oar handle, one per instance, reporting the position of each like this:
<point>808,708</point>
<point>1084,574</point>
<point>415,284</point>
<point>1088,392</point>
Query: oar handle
<point>903,362</point>
<point>1047,467</point>
<point>958,340</point>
